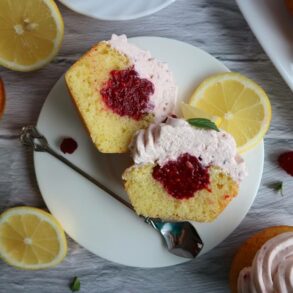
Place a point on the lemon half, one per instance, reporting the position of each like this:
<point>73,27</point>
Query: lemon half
<point>242,105</point>
<point>31,239</point>
<point>31,33</point>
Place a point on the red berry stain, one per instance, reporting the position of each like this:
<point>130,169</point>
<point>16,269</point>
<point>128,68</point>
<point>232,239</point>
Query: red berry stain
<point>183,177</point>
<point>286,162</point>
<point>68,145</point>
<point>127,94</point>
<point>172,115</point>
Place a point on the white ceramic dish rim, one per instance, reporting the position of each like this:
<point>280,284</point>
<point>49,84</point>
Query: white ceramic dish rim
<point>266,47</point>
<point>134,16</point>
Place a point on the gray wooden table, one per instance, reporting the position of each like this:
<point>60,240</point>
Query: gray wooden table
<point>213,25</point>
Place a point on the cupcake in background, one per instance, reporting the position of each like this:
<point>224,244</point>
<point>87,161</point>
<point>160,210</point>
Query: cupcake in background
<point>289,4</point>
<point>264,263</point>
<point>2,97</point>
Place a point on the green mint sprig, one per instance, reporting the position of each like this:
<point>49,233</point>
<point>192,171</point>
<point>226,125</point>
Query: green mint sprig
<point>75,284</point>
<point>278,187</point>
<point>203,123</point>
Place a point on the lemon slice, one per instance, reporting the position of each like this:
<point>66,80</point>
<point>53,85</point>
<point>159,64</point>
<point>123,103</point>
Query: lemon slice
<point>189,112</point>
<point>31,239</point>
<point>31,33</point>
<point>2,97</point>
<point>242,105</point>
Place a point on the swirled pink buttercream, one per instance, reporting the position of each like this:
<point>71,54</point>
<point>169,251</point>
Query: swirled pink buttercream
<point>164,142</point>
<point>272,268</point>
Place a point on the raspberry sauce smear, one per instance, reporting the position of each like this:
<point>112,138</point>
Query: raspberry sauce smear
<point>286,162</point>
<point>68,145</point>
<point>126,94</point>
<point>183,177</point>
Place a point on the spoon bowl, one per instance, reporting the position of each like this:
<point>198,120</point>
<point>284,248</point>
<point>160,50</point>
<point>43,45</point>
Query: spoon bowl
<point>181,238</point>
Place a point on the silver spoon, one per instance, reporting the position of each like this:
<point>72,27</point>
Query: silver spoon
<point>181,238</point>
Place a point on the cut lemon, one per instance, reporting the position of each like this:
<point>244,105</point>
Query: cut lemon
<point>242,105</point>
<point>189,112</point>
<point>31,33</point>
<point>31,239</point>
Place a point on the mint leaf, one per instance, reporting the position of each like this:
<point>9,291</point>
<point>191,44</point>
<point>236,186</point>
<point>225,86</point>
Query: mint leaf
<point>75,284</point>
<point>278,187</point>
<point>203,123</point>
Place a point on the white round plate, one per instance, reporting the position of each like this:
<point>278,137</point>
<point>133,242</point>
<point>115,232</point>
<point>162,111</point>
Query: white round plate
<point>117,9</point>
<point>90,216</point>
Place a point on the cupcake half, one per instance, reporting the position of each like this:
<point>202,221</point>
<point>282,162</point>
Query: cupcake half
<point>182,172</point>
<point>119,89</point>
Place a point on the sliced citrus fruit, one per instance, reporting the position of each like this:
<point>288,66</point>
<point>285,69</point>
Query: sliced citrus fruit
<point>2,97</point>
<point>189,112</point>
<point>242,105</point>
<point>31,239</point>
<point>31,33</point>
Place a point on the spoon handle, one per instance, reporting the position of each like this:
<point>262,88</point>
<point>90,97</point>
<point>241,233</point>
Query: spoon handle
<point>30,136</point>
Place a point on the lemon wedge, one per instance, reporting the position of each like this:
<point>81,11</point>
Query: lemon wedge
<point>31,239</point>
<point>242,105</point>
<point>31,33</point>
<point>189,112</point>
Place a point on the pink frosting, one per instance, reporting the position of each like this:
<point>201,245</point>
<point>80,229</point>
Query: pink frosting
<point>160,143</point>
<point>163,100</point>
<point>272,268</point>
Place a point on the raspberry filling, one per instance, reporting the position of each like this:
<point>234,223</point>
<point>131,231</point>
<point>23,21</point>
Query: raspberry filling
<point>286,162</point>
<point>127,94</point>
<point>183,177</point>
